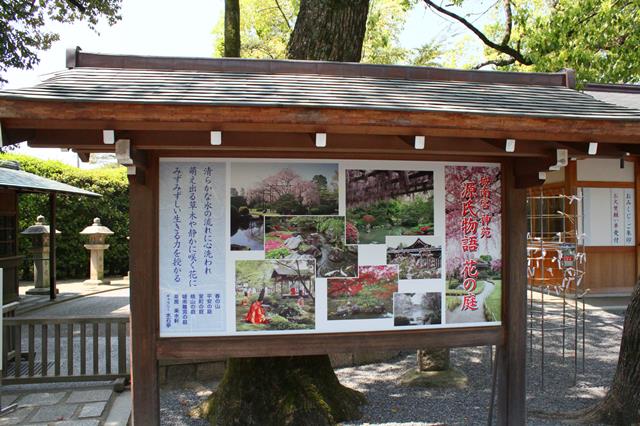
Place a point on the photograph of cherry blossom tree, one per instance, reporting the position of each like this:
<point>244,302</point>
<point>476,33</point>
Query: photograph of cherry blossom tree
<point>368,296</point>
<point>275,295</point>
<point>381,203</point>
<point>417,309</point>
<point>473,204</point>
<point>267,189</point>
<point>321,238</point>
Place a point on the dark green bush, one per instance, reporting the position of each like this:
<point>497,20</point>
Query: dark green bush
<point>74,213</point>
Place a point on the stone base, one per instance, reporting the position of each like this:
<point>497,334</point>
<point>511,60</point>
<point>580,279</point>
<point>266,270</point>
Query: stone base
<point>38,290</point>
<point>96,282</point>
<point>450,378</point>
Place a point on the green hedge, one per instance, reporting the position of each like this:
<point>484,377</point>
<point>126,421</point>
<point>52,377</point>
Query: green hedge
<point>74,213</point>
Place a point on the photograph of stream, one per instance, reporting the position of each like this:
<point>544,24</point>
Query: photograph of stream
<point>312,237</point>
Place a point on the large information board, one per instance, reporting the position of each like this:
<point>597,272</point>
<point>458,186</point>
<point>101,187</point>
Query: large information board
<point>314,246</point>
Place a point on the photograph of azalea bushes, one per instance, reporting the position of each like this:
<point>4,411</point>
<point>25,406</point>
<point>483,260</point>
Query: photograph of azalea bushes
<point>383,203</point>
<point>275,295</point>
<point>268,189</point>
<point>369,296</point>
<point>320,238</point>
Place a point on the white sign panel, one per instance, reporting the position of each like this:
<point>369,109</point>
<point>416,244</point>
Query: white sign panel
<point>192,247</point>
<point>254,247</point>
<point>609,216</point>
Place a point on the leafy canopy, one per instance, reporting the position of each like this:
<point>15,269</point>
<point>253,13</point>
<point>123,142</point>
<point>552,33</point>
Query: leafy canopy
<point>266,26</point>
<point>24,26</point>
<point>597,38</point>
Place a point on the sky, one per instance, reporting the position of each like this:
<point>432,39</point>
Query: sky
<point>249,175</point>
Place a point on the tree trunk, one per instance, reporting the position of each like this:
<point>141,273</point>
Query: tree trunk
<point>329,30</point>
<point>621,406</point>
<point>282,391</point>
<point>232,28</point>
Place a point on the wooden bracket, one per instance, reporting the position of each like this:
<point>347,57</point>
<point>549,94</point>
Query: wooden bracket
<point>127,155</point>
<point>527,170</point>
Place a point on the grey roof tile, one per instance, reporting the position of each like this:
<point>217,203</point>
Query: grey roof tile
<point>318,91</point>
<point>28,182</point>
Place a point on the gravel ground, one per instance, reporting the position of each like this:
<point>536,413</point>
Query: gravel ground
<point>390,404</point>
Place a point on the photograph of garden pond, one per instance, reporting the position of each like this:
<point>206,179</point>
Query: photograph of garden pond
<point>416,258</point>
<point>383,203</point>
<point>321,238</point>
<point>268,189</point>
<point>368,296</point>
<point>417,309</point>
<point>275,295</point>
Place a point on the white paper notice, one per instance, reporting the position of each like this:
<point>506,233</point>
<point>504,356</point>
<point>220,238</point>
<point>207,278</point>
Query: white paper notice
<point>192,247</point>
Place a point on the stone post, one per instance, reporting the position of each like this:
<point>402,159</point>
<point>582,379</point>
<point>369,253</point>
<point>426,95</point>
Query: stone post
<point>97,236</point>
<point>39,233</point>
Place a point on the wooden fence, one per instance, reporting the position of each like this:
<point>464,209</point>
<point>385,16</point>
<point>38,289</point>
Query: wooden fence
<point>41,349</point>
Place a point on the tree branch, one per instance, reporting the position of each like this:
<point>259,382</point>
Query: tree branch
<point>286,20</point>
<point>78,5</point>
<point>508,23</point>
<point>503,48</point>
<point>497,62</point>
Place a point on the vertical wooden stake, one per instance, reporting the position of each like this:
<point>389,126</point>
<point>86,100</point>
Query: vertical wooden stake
<point>512,409</point>
<point>144,363</point>
<point>52,246</point>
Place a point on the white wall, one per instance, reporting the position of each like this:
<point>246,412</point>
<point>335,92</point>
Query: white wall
<point>605,170</point>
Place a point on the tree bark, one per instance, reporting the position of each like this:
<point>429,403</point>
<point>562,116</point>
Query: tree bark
<point>621,405</point>
<point>232,28</point>
<point>284,391</point>
<point>329,30</point>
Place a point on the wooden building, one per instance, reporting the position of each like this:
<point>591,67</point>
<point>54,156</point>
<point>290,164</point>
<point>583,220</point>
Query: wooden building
<point>172,107</point>
<point>611,237</point>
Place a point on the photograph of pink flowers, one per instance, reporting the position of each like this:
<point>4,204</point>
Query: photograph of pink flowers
<point>273,189</point>
<point>382,203</point>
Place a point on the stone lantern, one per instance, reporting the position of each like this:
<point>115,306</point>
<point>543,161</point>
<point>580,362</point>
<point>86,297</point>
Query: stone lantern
<point>97,236</point>
<point>39,234</point>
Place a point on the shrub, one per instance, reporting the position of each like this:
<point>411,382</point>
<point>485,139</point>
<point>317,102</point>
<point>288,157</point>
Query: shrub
<point>74,213</point>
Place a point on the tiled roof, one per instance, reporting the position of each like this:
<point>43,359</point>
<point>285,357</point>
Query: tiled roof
<point>28,182</point>
<point>307,90</point>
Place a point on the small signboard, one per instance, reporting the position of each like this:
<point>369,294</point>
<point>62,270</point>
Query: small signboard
<point>255,247</point>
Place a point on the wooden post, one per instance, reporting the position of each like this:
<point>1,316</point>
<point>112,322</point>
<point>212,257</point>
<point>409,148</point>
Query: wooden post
<point>144,329</point>
<point>52,246</point>
<point>512,409</point>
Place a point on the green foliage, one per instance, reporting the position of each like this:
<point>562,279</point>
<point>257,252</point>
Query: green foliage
<point>453,302</point>
<point>26,30</point>
<point>288,204</point>
<point>244,211</point>
<point>74,213</point>
<point>597,38</point>
<point>493,303</point>
<point>266,26</point>
<point>279,253</point>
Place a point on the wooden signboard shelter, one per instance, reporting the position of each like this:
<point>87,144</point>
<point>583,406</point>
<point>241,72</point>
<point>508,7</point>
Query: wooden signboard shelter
<point>155,108</point>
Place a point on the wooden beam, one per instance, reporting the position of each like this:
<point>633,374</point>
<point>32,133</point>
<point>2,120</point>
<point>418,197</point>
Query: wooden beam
<point>527,171</point>
<point>90,141</point>
<point>185,348</point>
<point>120,116</point>
<point>512,409</point>
<point>144,302</point>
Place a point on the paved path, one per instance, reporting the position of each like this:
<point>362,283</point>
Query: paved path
<point>106,303</point>
<point>66,405</point>
<point>459,316</point>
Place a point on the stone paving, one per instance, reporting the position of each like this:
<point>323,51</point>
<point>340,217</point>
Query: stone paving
<point>67,407</point>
